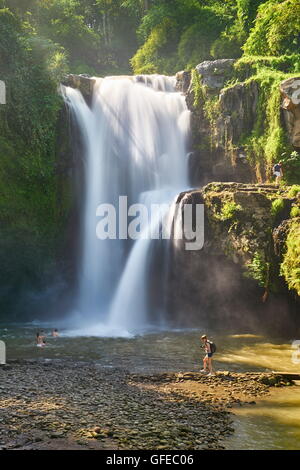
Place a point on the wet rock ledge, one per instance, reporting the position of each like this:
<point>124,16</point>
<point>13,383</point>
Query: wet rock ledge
<point>68,405</point>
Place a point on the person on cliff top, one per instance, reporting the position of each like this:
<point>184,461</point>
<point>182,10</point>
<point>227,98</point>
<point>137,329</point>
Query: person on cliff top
<point>207,361</point>
<point>278,171</point>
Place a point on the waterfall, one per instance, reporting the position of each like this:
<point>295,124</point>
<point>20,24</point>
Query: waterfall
<point>134,135</point>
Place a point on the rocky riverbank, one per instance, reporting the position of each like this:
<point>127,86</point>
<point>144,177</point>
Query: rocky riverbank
<point>79,405</point>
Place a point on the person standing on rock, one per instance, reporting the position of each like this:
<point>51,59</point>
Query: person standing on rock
<point>209,350</point>
<point>278,172</point>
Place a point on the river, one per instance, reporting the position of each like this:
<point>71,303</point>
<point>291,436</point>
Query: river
<point>274,423</point>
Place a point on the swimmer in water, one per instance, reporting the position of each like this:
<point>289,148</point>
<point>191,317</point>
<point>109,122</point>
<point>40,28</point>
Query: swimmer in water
<point>40,340</point>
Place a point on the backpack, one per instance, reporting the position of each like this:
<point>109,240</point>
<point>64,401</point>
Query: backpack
<point>213,347</point>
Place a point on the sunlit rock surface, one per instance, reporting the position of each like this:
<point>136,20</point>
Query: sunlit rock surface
<point>290,90</point>
<point>84,83</point>
<point>183,79</point>
<point>214,73</point>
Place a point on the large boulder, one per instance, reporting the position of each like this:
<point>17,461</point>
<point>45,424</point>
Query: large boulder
<point>290,90</point>
<point>214,73</point>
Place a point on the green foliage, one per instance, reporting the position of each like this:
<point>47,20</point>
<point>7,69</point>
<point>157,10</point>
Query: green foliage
<point>95,36</point>
<point>60,22</point>
<point>268,139</point>
<point>293,191</point>
<point>180,33</point>
<point>198,90</point>
<point>276,30</point>
<point>258,269</point>
<point>291,166</point>
<point>58,65</point>
<point>277,206</point>
<point>196,40</point>
<point>226,47</point>
<point>147,59</point>
<point>28,211</point>
<point>246,13</point>
<point>230,42</point>
<point>229,210</point>
<point>211,109</point>
<point>290,267</point>
<point>202,99</point>
<point>251,65</point>
<point>101,35</point>
<point>295,211</point>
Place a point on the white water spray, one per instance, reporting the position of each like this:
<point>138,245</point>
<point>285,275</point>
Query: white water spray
<point>134,138</point>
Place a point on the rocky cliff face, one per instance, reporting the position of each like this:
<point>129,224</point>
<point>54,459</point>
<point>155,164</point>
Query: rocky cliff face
<point>84,83</point>
<point>290,90</point>
<point>223,121</point>
<point>236,278</point>
<point>219,118</point>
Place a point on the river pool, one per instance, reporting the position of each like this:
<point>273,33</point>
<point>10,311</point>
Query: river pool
<point>274,423</point>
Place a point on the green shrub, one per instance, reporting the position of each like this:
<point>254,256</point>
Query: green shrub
<point>148,59</point>
<point>196,41</point>
<point>251,65</point>
<point>295,211</point>
<point>229,210</point>
<point>294,190</point>
<point>291,166</point>
<point>276,30</point>
<point>277,206</point>
<point>290,267</point>
<point>258,269</point>
<point>226,48</point>
<point>179,34</point>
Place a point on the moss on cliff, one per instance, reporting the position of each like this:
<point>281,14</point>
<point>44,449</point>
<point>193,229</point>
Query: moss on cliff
<point>248,65</point>
<point>268,140</point>
<point>290,267</point>
<point>245,116</point>
<point>242,218</point>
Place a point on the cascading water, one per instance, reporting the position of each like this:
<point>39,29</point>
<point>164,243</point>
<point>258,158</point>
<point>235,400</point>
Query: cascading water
<point>134,138</point>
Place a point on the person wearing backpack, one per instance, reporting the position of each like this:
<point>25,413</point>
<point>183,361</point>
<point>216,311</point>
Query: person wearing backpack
<point>278,171</point>
<point>209,348</point>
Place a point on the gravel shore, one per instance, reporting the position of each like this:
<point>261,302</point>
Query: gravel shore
<point>76,405</point>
